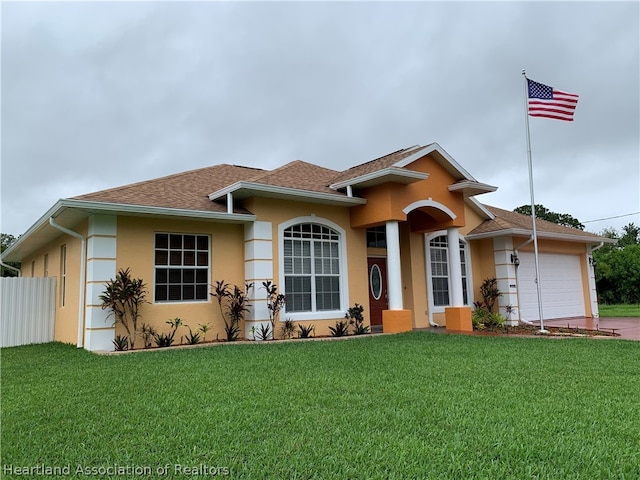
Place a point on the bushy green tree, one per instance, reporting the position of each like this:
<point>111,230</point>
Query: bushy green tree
<point>618,266</point>
<point>6,240</point>
<point>545,214</point>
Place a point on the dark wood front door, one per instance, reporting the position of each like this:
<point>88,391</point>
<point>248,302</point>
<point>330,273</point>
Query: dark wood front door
<point>377,289</point>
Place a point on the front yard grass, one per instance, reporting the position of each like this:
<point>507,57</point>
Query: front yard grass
<point>416,405</point>
<point>612,311</point>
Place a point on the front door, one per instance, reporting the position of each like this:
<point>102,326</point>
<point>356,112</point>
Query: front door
<point>377,289</point>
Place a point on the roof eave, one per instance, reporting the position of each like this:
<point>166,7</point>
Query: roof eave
<point>521,232</point>
<point>242,190</point>
<point>391,174</point>
<point>479,208</point>
<point>469,188</point>
<point>84,208</point>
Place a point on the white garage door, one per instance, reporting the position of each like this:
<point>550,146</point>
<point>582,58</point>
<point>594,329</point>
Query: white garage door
<point>561,281</point>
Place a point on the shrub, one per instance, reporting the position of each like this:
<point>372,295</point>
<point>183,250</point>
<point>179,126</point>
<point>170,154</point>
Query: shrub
<point>236,304</point>
<point>193,338</point>
<point>167,339</point>
<point>263,332</point>
<point>121,343</point>
<point>275,302</point>
<point>288,328</point>
<point>490,293</point>
<point>355,317</point>
<point>164,339</point>
<point>341,329</point>
<point>483,315</point>
<point>124,296</point>
<point>305,331</point>
<point>204,328</point>
<point>147,332</point>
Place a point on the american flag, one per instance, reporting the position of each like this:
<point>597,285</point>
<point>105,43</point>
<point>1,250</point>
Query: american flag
<point>546,101</point>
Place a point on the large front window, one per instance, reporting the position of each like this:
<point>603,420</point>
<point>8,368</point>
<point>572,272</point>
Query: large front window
<point>439,263</point>
<point>181,267</point>
<point>311,268</point>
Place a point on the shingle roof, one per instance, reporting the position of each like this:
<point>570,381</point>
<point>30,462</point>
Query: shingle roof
<point>187,190</point>
<point>301,175</point>
<point>507,220</point>
<point>375,165</point>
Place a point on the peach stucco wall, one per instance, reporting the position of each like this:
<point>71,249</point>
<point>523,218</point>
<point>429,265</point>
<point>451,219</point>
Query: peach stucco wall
<point>66,322</point>
<point>135,250</point>
<point>279,211</point>
<point>386,202</point>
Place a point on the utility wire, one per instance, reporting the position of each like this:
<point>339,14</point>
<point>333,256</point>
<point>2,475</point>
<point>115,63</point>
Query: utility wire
<point>611,218</point>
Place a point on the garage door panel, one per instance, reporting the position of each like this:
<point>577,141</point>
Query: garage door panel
<point>561,281</point>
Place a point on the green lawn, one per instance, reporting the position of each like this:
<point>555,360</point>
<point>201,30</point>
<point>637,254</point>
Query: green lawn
<point>610,311</point>
<point>417,405</point>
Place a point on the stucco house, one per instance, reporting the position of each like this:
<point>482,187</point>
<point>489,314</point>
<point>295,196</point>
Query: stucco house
<point>403,235</point>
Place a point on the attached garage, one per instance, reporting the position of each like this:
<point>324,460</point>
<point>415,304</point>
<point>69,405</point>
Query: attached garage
<point>561,283</point>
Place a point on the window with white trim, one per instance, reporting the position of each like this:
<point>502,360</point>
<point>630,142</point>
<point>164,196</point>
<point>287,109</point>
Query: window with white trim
<point>181,267</point>
<point>311,258</point>
<point>439,263</point>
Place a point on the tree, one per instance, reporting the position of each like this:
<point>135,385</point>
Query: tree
<point>631,236</point>
<point>6,240</point>
<point>618,266</point>
<point>545,214</point>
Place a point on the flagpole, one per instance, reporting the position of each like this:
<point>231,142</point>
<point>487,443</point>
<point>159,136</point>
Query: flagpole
<point>533,203</point>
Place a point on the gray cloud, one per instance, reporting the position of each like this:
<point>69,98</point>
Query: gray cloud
<point>96,95</point>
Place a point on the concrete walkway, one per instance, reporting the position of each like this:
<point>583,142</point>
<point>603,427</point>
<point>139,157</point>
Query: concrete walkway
<point>627,327</point>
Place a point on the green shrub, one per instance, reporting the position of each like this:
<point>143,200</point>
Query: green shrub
<point>341,329</point>
<point>121,343</point>
<point>355,317</point>
<point>305,331</point>
<point>288,328</point>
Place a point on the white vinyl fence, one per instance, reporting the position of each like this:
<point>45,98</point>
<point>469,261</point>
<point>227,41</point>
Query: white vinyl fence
<point>27,310</point>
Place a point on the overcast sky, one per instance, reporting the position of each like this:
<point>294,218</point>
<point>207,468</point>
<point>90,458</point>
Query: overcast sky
<point>96,95</point>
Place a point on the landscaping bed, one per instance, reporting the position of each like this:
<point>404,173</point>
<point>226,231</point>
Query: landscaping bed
<point>525,329</point>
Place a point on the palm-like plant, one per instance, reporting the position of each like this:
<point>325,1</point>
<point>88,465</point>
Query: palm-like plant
<point>124,296</point>
<point>236,304</point>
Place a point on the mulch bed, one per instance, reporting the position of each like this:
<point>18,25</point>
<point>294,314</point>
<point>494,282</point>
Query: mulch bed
<point>525,329</point>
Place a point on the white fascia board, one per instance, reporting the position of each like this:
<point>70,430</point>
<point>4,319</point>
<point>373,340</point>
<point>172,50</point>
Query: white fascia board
<point>480,208</point>
<point>44,220</point>
<point>394,171</point>
<point>246,189</point>
<point>127,209</point>
<point>520,232</point>
<point>468,184</point>
<point>434,147</point>
<point>89,207</point>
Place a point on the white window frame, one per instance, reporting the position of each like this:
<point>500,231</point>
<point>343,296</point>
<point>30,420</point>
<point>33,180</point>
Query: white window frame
<point>469,277</point>
<point>181,267</point>
<point>343,277</point>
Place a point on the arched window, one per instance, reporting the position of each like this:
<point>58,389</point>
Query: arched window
<point>313,268</point>
<point>438,271</point>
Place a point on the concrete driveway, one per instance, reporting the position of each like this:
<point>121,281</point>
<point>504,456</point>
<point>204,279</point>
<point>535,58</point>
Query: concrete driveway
<point>627,327</point>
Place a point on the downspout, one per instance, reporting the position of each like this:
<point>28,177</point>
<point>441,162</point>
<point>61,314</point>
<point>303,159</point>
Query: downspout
<point>11,268</point>
<point>515,252</point>
<point>591,251</point>
<point>83,268</point>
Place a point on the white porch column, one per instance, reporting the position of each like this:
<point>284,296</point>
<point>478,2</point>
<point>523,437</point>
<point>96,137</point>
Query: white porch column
<point>101,267</point>
<point>506,276</point>
<point>394,273</point>
<point>455,267</point>
<point>258,267</point>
